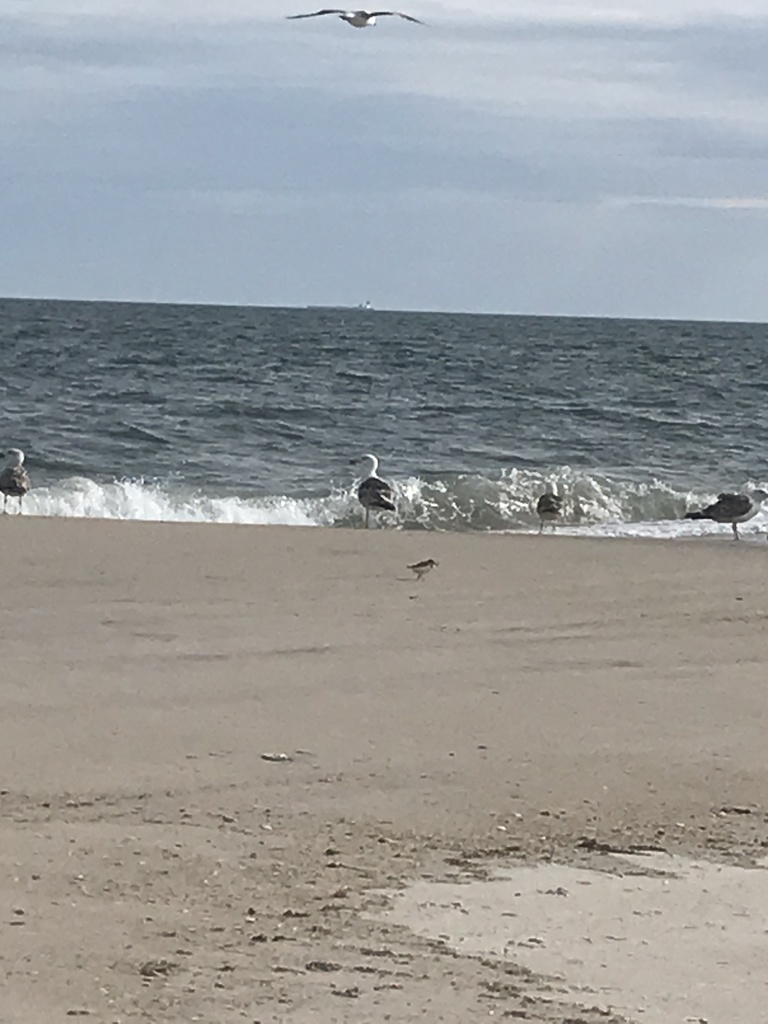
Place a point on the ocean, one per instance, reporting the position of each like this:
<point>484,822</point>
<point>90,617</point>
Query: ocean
<point>260,415</point>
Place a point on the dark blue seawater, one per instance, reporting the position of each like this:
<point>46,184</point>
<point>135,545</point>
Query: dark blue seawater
<point>256,414</point>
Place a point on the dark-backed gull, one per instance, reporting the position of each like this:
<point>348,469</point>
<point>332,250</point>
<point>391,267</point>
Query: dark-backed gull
<point>732,508</point>
<point>357,19</point>
<point>548,509</point>
<point>375,494</point>
<point>14,479</point>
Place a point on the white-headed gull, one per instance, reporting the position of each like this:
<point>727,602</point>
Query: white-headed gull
<point>375,494</point>
<point>14,479</point>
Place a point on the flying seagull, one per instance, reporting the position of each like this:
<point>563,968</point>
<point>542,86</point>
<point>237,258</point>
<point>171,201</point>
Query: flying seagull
<point>375,494</point>
<point>548,509</point>
<point>14,479</point>
<point>732,508</point>
<point>357,19</point>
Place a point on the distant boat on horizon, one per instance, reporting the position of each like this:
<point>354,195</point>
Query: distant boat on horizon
<point>361,305</point>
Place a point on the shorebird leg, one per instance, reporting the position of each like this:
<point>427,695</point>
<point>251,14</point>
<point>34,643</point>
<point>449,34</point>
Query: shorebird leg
<point>367,514</point>
<point>21,498</point>
<point>735,531</point>
<point>541,526</point>
<point>5,504</point>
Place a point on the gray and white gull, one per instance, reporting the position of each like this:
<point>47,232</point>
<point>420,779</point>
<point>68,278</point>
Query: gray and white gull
<point>732,508</point>
<point>549,507</point>
<point>14,479</point>
<point>373,493</point>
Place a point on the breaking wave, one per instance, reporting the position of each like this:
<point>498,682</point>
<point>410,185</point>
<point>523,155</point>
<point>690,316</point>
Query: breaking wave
<point>593,504</point>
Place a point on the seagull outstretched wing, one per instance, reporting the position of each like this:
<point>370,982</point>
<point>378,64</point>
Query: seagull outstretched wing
<point>395,14</point>
<point>316,14</point>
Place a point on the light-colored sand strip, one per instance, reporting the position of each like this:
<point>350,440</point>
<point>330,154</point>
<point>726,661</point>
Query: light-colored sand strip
<point>687,945</point>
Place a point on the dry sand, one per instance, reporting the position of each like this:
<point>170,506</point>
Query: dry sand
<point>533,699</point>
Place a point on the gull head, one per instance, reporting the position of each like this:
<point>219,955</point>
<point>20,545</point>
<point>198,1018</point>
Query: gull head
<point>758,496</point>
<point>371,464</point>
<point>14,457</point>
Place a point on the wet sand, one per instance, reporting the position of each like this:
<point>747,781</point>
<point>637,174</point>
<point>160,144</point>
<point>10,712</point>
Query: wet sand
<point>534,698</point>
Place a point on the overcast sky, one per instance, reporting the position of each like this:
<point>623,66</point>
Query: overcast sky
<point>588,157</point>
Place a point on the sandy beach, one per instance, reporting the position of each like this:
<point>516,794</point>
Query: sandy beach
<point>221,746</point>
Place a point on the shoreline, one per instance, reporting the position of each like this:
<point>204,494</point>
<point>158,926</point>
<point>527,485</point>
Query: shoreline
<point>531,700</point>
<point>564,532</point>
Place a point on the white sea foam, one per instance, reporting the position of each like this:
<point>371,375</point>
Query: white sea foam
<point>80,497</point>
<point>594,505</point>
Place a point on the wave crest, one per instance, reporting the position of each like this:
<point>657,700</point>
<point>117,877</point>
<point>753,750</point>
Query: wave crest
<point>593,504</point>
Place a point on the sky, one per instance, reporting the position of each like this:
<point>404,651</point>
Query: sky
<point>574,157</point>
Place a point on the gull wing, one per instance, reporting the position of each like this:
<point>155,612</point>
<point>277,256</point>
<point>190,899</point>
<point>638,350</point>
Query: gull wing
<point>730,505</point>
<point>395,14</point>
<point>315,14</point>
<point>14,481</point>
<point>377,494</point>
<point>550,504</point>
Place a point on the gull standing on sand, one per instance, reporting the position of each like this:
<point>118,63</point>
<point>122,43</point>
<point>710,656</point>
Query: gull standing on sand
<point>548,509</point>
<point>14,479</point>
<point>732,508</point>
<point>374,493</point>
<point>357,19</point>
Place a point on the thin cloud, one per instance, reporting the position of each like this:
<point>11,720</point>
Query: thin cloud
<point>748,203</point>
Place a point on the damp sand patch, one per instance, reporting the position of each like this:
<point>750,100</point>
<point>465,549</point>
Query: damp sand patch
<point>667,940</point>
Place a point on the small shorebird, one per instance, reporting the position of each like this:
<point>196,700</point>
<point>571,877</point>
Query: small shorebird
<point>548,509</point>
<point>732,508</point>
<point>422,568</point>
<point>14,479</point>
<point>357,19</point>
<point>375,494</point>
